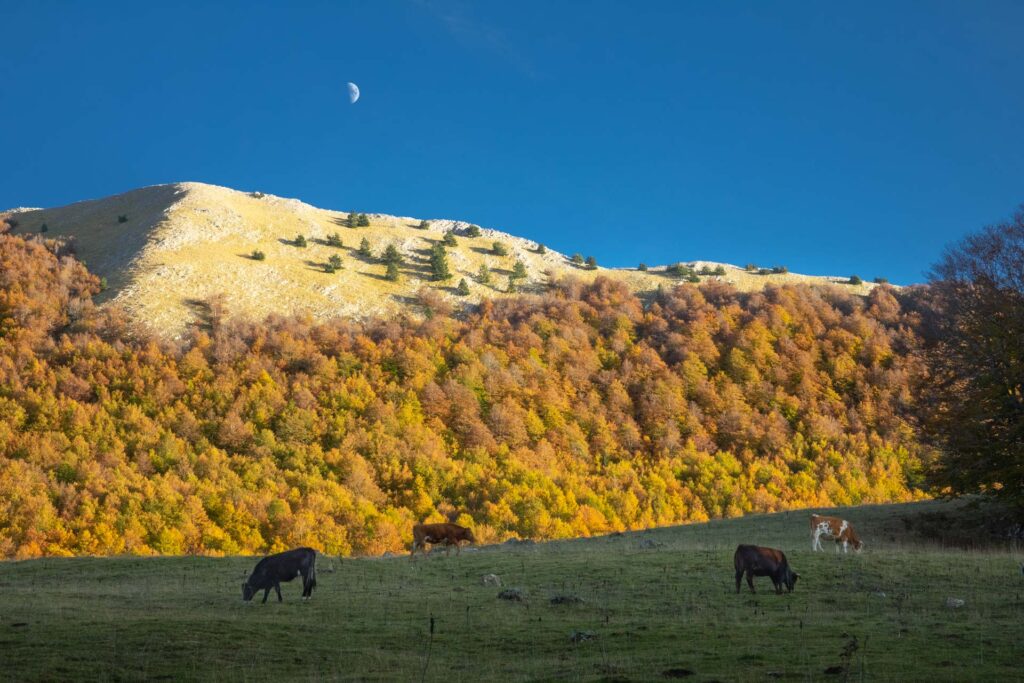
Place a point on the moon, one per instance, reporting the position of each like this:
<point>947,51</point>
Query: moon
<point>353,92</point>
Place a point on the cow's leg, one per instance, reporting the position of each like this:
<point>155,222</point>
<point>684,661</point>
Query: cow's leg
<point>277,587</point>
<point>845,549</point>
<point>458,549</point>
<point>266,594</point>
<point>739,578</point>
<point>415,544</point>
<point>750,580</point>
<point>447,548</point>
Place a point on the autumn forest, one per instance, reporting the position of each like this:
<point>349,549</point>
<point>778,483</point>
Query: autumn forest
<point>583,410</point>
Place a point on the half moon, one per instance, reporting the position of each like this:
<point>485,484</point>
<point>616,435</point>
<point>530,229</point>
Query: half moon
<point>353,92</point>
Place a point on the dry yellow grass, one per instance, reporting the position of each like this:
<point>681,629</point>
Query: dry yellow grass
<point>187,242</point>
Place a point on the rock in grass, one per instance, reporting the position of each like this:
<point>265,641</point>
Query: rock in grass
<point>566,600</point>
<point>954,603</point>
<point>582,636</point>
<point>491,580</point>
<point>512,594</point>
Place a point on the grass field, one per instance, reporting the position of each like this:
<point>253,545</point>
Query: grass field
<point>656,605</point>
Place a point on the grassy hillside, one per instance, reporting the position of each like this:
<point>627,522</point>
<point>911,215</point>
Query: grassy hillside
<point>164,249</point>
<point>658,604</point>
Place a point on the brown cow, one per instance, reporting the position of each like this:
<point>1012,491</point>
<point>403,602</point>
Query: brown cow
<point>449,534</point>
<point>837,529</point>
<point>754,560</point>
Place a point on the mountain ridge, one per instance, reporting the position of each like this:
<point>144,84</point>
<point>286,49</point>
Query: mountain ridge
<point>164,249</point>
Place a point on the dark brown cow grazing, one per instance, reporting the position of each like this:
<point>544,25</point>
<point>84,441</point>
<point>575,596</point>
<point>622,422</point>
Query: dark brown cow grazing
<point>753,560</point>
<point>449,534</point>
<point>835,528</point>
<point>273,569</point>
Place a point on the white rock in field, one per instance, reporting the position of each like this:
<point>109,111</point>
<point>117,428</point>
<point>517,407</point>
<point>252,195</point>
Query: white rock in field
<point>491,580</point>
<point>954,603</point>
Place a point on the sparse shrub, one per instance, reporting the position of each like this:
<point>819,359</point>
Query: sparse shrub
<point>256,195</point>
<point>424,225</point>
<point>541,249</point>
<point>719,270</point>
<point>751,268</point>
<point>122,218</point>
<point>854,280</point>
<point>577,259</point>
<point>519,271</point>
<point>334,240</point>
<point>300,241</point>
<point>642,267</point>
<point>591,263</point>
<point>328,268</point>
<point>780,270</point>
<point>463,288</point>
<point>392,273</point>
<point>103,284</point>
<point>363,221</point>
<point>364,249</point>
<point>511,289</point>
<point>499,249</point>
<point>257,255</point>
<point>449,239</point>
<point>484,276</point>
<point>704,270</point>
<point>334,262</point>
<point>692,277</point>
<point>682,271</point>
<point>353,219</point>
<point>44,228</point>
<point>881,281</point>
<point>473,231</point>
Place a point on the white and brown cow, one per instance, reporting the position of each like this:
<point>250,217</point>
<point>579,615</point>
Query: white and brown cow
<point>837,529</point>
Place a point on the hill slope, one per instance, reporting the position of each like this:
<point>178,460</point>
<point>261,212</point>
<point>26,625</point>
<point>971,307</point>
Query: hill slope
<point>183,243</point>
<point>656,604</point>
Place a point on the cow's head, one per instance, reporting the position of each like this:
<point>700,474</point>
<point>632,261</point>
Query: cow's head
<point>247,592</point>
<point>858,545</point>
<point>790,580</point>
<point>467,535</point>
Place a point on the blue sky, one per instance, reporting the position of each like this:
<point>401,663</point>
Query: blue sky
<point>828,137</point>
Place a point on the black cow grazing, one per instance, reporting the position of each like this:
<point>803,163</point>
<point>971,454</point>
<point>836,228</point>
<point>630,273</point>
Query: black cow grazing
<point>753,560</point>
<point>273,569</point>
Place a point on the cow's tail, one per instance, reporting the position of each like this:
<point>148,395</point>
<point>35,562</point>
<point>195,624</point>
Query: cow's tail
<point>312,575</point>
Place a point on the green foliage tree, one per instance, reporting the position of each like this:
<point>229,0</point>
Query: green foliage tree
<point>484,276</point>
<point>974,327</point>
<point>334,262</point>
<point>44,228</point>
<point>473,231</point>
<point>353,219</point>
<point>334,240</point>
<point>392,273</point>
<point>642,267</point>
<point>541,249</point>
<point>577,259</point>
<point>499,249</point>
<point>719,270</point>
<point>881,281</point>
<point>364,249</point>
<point>854,280</point>
<point>463,288</point>
<point>591,263</point>
<point>257,255</point>
<point>439,263</point>
<point>299,241</point>
<point>391,255</point>
<point>363,220</point>
<point>519,271</point>
<point>751,268</point>
<point>449,239</point>
<point>511,288</point>
<point>424,225</point>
